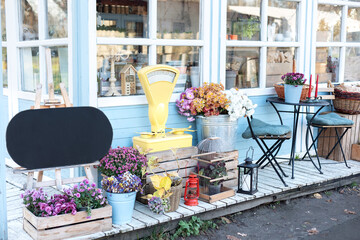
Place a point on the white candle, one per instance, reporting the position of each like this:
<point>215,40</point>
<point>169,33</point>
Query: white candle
<point>246,182</point>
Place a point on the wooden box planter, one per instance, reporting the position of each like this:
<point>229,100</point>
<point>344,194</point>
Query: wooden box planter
<point>67,225</point>
<point>188,165</point>
<point>225,192</point>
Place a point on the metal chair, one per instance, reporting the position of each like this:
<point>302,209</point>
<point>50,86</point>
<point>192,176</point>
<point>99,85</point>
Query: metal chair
<point>269,153</point>
<point>324,122</point>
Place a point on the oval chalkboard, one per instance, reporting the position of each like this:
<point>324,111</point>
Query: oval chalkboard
<point>58,137</point>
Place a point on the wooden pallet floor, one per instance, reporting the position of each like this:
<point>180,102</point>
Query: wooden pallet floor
<point>307,180</point>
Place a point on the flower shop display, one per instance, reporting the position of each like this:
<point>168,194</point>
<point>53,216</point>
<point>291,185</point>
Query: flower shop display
<point>293,86</point>
<point>123,159</point>
<point>216,111</point>
<point>60,216</point>
<point>121,194</point>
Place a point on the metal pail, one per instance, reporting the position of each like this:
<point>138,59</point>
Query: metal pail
<point>218,126</point>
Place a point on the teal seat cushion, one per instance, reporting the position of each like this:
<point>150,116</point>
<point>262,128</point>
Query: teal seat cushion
<point>330,119</point>
<point>261,128</point>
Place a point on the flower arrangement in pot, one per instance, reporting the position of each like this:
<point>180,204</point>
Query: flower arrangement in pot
<point>214,174</point>
<point>216,111</point>
<point>294,83</point>
<point>121,194</point>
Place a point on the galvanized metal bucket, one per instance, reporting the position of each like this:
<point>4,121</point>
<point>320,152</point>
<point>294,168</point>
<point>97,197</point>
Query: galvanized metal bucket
<point>218,126</point>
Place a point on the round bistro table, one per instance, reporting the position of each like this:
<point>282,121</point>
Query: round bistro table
<point>296,111</point>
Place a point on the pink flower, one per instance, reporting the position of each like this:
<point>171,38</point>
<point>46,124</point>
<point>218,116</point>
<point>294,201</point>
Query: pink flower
<point>77,195</point>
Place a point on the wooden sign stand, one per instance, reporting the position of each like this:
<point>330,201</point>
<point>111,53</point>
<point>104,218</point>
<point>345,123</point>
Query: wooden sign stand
<point>52,102</point>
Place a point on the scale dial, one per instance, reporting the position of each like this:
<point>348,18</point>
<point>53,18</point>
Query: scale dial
<point>161,76</point>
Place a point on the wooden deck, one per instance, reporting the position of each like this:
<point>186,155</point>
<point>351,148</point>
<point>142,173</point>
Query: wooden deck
<point>307,181</point>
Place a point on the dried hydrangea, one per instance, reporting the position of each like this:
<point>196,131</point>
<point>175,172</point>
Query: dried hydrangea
<point>158,205</point>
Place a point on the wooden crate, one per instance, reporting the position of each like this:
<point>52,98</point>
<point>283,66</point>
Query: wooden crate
<point>225,192</point>
<point>67,225</point>
<point>188,165</point>
<point>325,143</point>
<point>355,152</point>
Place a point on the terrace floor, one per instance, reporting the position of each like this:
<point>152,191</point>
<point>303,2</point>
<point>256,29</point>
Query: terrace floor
<point>307,181</point>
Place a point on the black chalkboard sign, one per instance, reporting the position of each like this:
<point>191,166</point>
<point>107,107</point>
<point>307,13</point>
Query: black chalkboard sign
<point>58,137</point>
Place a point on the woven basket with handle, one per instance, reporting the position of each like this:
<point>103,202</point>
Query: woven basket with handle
<point>347,102</point>
<point>279,88</point>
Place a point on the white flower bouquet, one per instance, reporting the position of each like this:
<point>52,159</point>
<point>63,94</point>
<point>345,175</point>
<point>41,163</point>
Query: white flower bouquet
<point>240,105</point>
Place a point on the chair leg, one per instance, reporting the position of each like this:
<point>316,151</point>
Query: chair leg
<point>270,160</point>
<point>312,144</point>
<point>308,130</point>
<point>273,157</point>
<point>339,141</point>
<point>263,159</point>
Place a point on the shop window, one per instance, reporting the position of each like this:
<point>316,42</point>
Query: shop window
<point>282,24</point>
<point>243,20</point>
<point>120,56</point>
<point>29,27</point>
<point>59,63</point>
<point>327,64</point>
<point>30,71</point>
<point>57,17</point>
<point>280,60</point>
<point>3,21</point>
<point>329,23</point>
<point>178,19</point>
<point>352,63</point>
<point>4,67</point>
<point>353,25</point>
<point>122,19</point>
<point>242,67</point>
<point>184,58</point>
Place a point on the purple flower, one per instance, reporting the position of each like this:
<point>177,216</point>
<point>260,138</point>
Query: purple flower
<point>77,195</point>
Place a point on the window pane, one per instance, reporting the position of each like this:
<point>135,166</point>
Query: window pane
<point>3,20</point>
<point>352,63</point>
<point>327,64</point>
<point>353,25</point>
<point>186,59</point>
<point>59,63</point>
<point>242,67</point>
<point>57,18</point>
<point>329,23</point>
<point>29,19</point>
<point>178,19</point>
<point>282,24</point>
<point>122,19</point>
<point>279,62</point>
<point>119,56</point>
<point>243,20</point>
<point>4,69</point>
<point>29,59</point>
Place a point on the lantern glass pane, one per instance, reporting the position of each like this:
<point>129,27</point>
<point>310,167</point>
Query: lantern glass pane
<point>254,179</point>
<point>245,180</point>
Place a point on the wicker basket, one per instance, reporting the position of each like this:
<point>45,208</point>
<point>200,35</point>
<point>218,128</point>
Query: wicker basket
<point>174,198</point>
<point>279,88</point>
<point>347,102</point>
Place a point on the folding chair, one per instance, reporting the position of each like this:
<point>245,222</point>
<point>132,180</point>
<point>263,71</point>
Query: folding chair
<point>261,132</point>
<point>324,122</point>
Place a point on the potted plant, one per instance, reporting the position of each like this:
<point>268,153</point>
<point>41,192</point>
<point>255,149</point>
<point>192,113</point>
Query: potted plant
<point>215,173</point>
<point>121,194</point>
<point>216,111</point>
<point>86,196</point>
<point>123,159</point>
<point>293,86</point>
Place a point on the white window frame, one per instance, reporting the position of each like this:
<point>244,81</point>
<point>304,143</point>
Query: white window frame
<point>299,45</point>
<point>342,44</point>
<point>14,44</point>
<point>152,42</point>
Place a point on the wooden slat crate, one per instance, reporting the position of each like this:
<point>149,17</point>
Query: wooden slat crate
<point>224,193</point>
<point>351,137</point>
<point>67,225</point>
<point>188,165</point>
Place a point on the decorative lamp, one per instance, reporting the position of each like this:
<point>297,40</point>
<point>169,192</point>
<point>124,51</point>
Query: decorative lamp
<point>192,192</point>
<point>248,175</point>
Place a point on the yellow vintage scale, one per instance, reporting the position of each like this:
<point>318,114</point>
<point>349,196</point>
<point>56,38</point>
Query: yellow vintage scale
<point>158,83</point>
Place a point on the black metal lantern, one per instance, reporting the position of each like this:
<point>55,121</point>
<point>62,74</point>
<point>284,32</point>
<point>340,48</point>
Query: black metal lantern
<point>248,175</point>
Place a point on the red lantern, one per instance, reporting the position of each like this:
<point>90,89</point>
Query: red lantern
<point>192,192</point>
